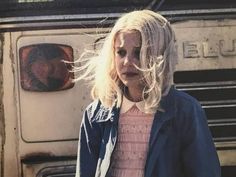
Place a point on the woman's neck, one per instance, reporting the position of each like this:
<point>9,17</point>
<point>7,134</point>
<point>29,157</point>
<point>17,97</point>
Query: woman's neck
<point>133,94</point>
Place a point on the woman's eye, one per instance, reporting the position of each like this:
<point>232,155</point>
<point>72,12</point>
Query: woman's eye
<point>137,53</point>
<point>121,53</point>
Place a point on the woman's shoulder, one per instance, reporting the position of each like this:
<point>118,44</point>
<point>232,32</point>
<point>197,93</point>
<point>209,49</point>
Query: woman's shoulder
<point>188,111</point>
<point>93,105</point>
<point>182,97</point>
<point>184,104</point>
<point>96,112</point>
<point>92,108</point>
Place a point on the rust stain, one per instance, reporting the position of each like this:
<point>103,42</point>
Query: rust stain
<point>36,157</point>
<point>2,120</point>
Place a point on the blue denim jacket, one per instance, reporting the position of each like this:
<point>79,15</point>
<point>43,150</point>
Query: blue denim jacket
<point>180,143</point>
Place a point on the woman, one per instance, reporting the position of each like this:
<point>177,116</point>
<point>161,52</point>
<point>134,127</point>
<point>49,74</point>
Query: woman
<point>139,124</point>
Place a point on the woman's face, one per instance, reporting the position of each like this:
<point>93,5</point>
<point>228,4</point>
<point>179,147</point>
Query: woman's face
<point>127,52</point>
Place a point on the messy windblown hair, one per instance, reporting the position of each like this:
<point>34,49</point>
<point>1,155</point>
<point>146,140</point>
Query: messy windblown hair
<point>158,57</point>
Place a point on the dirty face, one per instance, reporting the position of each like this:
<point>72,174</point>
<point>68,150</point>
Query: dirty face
<point>127,53</point>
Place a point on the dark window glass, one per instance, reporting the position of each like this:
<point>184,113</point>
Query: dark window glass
<point>45,67</point>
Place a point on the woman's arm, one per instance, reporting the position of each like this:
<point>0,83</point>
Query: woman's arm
<point>89,145</point>
<point>199,154</point>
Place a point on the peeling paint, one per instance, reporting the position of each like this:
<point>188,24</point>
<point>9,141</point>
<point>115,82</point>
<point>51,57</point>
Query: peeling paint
<point>13,62</point>
<point>1,48</point>
<point>2,121</point>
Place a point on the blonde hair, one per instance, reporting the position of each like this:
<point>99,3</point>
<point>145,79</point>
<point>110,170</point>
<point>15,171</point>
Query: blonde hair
<point>158,57</point>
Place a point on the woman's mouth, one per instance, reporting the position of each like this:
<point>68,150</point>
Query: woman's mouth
<point>130,74</point>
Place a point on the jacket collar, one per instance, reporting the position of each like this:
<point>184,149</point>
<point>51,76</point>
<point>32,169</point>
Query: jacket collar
<point>167,105</point>
<point>104,114</point>
<point>127,105</point>
<point>159,130</point>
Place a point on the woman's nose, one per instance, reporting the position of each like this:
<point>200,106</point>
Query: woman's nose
<point>128,60</point>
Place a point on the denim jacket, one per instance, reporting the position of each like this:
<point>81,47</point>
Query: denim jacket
<point>180,143</point>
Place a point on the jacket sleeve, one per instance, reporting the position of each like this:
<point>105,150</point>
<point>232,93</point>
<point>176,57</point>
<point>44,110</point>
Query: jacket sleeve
<point>199,154</point>
<point>88,146</point>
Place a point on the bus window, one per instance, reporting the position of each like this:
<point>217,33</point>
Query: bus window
<point>44,67</point>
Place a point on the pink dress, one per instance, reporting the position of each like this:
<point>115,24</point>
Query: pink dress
<point>130,152</point>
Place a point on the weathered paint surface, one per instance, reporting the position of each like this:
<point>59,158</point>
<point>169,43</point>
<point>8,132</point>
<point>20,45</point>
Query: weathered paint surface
<point>10,146</point>
<point>206,45</point>
<point>2,124</point>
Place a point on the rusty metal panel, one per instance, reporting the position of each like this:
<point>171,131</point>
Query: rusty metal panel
<point>206,44</point>
<point>10,146</point>
<point>49,169</point>
<point>60,110</point>
<point>2,124</point>
<point>48,122</point>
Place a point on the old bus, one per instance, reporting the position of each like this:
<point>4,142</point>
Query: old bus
<point>39,124</point>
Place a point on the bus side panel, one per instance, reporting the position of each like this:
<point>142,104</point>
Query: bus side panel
<point>10,147</point>
<point>48,121</point>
